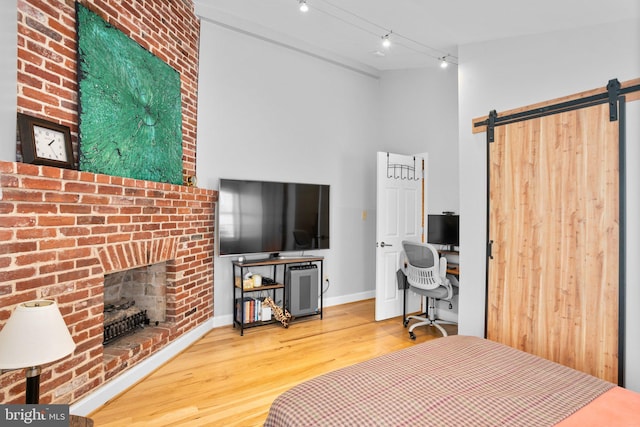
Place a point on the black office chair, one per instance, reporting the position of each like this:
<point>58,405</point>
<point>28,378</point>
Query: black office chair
<point>427,276</point>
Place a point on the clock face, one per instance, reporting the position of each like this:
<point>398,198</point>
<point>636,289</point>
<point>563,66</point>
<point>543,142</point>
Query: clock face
<point>49,144</point>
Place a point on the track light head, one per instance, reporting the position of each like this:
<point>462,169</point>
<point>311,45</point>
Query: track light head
<point>386,41</point>
<point>303,6</point>
<point>443,62</point>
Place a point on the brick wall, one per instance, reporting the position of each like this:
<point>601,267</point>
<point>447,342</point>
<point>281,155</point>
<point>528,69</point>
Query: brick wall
<point>47,80</point>
<point>62,230</point>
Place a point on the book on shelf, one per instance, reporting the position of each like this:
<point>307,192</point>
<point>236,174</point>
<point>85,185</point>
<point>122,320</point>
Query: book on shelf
<point>252,310</point>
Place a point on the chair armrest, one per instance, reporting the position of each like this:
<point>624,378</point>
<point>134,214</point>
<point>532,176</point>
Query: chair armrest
<point>443,267</point>
<point>445,280</point>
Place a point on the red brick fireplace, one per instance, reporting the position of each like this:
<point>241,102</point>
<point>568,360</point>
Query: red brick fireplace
<point>62,230</point>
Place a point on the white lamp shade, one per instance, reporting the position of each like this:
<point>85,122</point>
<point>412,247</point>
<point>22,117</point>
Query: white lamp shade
<point>35,334</point>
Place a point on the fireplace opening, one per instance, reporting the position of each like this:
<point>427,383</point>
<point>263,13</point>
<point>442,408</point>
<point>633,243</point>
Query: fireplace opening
<point>134,299</point>
<point>124,319</point>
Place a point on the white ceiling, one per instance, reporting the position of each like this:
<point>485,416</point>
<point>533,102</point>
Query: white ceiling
<point>422,30</point>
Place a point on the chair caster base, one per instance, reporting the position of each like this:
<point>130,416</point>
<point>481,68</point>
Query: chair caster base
<point>412,336</point>
<point>406,322</point>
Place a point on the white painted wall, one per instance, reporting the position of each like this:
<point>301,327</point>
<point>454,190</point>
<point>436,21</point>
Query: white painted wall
<point>511,73</point>
<point>420,114</point>
<point>267,112</point>
<point>8,81</point>
<point>271,111</point>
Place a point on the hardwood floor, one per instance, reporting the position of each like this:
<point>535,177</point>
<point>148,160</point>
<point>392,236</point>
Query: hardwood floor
<point>228,380</point>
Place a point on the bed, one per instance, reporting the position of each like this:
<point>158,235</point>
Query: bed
<point>455,381</point>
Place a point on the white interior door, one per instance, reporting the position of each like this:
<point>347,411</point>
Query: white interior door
<point>400,213</point>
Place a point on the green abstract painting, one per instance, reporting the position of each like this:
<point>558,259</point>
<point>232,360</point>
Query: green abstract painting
<point>130,108</point>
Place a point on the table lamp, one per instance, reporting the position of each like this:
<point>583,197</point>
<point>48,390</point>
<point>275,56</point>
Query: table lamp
<point>34,335</point>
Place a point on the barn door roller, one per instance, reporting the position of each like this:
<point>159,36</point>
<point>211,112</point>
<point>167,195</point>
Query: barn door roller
<point>613,90</point>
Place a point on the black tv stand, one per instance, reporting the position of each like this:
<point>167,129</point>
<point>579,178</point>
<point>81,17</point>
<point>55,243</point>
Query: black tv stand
<point>240,291</point>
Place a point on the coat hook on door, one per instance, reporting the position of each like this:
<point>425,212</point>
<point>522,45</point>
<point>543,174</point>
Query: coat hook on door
<point>400,171</point>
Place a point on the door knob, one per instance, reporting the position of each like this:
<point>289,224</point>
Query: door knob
<point>383,244</point>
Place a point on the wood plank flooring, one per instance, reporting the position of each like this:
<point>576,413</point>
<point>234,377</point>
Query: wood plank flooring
<point>228,380</point>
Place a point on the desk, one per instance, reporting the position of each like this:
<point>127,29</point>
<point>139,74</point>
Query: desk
<point>453,269</point>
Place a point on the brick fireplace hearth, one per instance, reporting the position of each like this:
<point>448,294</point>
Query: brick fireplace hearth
<point>63,230</point>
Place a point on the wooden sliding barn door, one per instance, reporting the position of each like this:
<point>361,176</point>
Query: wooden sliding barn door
<point>554,222</point>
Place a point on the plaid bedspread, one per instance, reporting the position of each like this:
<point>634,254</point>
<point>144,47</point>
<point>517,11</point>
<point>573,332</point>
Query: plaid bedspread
<point>452,381</point>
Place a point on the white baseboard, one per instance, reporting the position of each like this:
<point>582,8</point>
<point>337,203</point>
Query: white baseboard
<point>448,316</point>
<point>345,299</point>
<point>117,385</point>
<point>224,320</point>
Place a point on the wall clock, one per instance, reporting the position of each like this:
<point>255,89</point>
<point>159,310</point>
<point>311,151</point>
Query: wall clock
<point>45,142</point>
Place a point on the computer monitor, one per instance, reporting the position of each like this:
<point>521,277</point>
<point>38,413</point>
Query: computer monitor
<point>444,230</point>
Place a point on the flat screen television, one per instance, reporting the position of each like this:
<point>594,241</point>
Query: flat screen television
<point>444,230</point>
<point>272,217</point>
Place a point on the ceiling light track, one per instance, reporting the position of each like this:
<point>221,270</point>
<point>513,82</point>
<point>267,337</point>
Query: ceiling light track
<point>361,18</point>
<point>315,8</point>
<point>443,57</point>
<point>386,41</point>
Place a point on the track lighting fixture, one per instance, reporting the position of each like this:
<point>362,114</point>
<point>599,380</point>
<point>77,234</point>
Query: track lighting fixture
<point>333,9</point>
<point>386,41</point>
